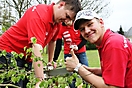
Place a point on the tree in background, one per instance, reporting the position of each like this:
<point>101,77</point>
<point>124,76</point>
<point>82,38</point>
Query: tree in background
<point>19,6</point>
<point>121,30</point>
<point>44,1</point>
<point>90,46</point>
<point>12,10</point>
<point>5,16</point>
<point>102,7</point>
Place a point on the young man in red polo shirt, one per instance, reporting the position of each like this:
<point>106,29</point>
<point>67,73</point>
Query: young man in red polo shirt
<point>39,21</point>
<point>115,53</point>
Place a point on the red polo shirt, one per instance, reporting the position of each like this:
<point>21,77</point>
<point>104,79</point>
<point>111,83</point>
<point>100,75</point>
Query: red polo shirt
<point>36,22</point>
<point>70,36</point>
<point>116,60</point>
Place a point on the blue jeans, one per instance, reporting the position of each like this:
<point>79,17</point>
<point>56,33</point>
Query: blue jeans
<point>82,59</point>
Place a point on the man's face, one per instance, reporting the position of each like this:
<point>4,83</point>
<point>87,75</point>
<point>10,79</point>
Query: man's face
<point>92,30</point>
<point>63,15</point>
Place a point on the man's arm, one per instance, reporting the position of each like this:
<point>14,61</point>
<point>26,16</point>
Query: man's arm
<point>95,70</point>
<point>38,69</point>
<point>72,64</point>
<point>95,80</point>
<point>51,49</point>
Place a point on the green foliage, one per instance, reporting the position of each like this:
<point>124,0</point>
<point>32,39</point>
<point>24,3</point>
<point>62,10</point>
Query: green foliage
<point>33,40</point>
<point>14,73</point>
<point>90,46</point>
<point>5,26</point>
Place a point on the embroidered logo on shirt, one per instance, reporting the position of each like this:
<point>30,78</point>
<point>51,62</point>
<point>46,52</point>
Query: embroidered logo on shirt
<point>46,33</point>
<point>125,42</point>
<point>34,8</point>
<point>67,37</point>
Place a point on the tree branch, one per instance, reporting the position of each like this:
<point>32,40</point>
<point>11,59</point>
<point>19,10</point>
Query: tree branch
<point>11,85</point>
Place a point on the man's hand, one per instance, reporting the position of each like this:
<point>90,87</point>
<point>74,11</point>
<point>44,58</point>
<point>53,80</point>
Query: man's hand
<point>71,62</point>
<point>53,65</point>
<point>37,84</point>
<point>74,47</point>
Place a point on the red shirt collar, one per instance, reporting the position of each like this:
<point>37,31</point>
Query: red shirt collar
<point>51,13</point>
<point>106,35</point>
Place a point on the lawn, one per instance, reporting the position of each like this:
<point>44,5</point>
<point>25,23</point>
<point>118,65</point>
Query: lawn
<point>93,57</point>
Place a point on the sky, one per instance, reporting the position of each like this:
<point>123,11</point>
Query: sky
<point>121,15</point>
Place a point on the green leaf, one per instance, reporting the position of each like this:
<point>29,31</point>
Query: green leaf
<point>13,79</point>
<point>75,75</point>
<point>4,53</point>
<point>11,73</point>
<point>29,50</point>
<point>14,54</point>
<point>50,81</point>
<point>21,55</point>
<point>78,81</point>
<point>84,86</point>
<point>33,40</point>
<point>55,87</point>
<point>70,79</point>
<point>44,84</point>
<point>1,81</point>
<point>25,48</point>
<point>3,29</point>
<point>29,85</point>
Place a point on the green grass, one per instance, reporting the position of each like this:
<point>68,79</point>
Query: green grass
<point>93,57</point>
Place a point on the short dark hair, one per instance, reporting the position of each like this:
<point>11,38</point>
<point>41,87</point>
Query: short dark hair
<point>74,5</point>
<point>82,21</point>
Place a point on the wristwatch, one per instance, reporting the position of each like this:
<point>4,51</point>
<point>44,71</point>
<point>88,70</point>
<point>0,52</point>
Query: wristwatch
<point>77,67</point>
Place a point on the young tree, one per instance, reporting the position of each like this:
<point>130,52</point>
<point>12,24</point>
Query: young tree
<point>121,30</point>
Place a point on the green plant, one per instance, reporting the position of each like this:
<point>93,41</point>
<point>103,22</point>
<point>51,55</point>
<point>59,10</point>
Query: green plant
<point>14,73</point>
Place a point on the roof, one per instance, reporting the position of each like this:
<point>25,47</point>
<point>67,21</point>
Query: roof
<point>128,33</point>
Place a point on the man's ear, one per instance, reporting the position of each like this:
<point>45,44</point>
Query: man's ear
<point>61,4</point>
<point>101,22</point>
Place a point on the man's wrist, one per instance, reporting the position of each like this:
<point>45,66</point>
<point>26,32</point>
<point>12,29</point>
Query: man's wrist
<point>77,67</point>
